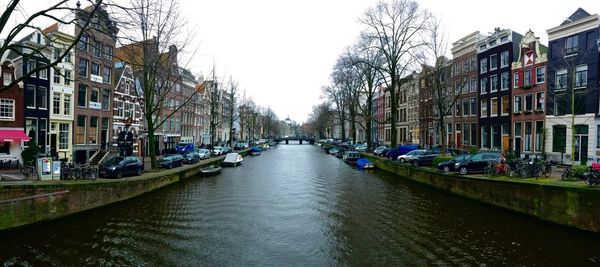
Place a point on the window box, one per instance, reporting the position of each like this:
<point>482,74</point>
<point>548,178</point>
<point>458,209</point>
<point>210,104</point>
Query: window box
<point>526,111</point>
<point>539,111</point>
<point>526,87</point>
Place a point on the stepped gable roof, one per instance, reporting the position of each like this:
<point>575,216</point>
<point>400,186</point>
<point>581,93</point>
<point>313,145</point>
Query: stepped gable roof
<point>580,13</point>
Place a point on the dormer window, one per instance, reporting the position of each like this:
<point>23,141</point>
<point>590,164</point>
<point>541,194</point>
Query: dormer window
<point>504,39</point>
<point>7,78</point>
<point>38,38</point>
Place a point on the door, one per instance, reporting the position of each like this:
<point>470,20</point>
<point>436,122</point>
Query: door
<point>581,147</point>
<point>53,146</point>
<point>518,147</point>
<point>103,138</point>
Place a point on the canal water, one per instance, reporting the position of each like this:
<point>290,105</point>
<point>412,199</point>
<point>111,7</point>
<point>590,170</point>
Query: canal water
<point>296,206</point>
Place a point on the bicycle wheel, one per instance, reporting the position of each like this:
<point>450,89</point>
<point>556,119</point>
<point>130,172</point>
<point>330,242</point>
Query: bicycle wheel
<point>487,171</point>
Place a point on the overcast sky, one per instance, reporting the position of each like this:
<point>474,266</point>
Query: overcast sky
<point>282,52</point>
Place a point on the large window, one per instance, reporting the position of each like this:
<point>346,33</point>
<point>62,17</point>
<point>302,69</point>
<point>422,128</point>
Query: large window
<point>67,103</point>
<point>494,106</point>
<point>31,130</point>
<point>518,104</point>
<point>42,97</point>
<point>96,49</point>
<point>505,105</point>
<point>43,73</point>
<point>504,81</point>
<point>106,74</point>
<point>485,137</point>
<point>561,79</point>
<point>68,77</point>
<point>518,130</point>
<point>473,133</point>
<point>83,42</point>
<point>93,130</point>
<point>82,96</point>
<point>95,68</point>
<point>30,96</point>
<point>559,138</point>
<point>105,99</point>
<point>56,77</point>
<point>108,52</point>
<point>63,138</point>
<point>95,95</point>
<point>56,103</point>
<point>83,65</point>
<point>540,74</point>
<point>579,105</point>
<point>539,101</point>
<point>494,83</point>
<point>561,104</point>
<point>483,65</point>
<point>527,78</point>
<point>473,87</point>
<point>473,106</point>
<point>504,59</point>
<point>31,67</point>
<point>465,134</point>
<point>483,104</point>
<point>528,102</point>
<point>515,79</point>
<point>483,85</point>
<point>493,62</point>
<point>80,130</point>
<point>539,133</point>
<point>571,44</point>
<point>581,76</point>
<point>527,145</point>
<point>465,103</point>
<point>120,109</point>
<point>7,109</point>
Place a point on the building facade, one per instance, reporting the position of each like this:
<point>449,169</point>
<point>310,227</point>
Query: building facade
<point>572,85</point>
<point>12,134</point>
<point>128,101</point>
<point>529,97</point>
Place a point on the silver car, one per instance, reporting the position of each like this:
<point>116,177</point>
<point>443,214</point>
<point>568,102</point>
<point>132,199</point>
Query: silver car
<point>411,155</point>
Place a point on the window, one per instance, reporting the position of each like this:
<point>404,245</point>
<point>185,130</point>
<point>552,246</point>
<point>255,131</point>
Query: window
<point>31,130</point>
<point>96,49</point>
<point>63,136</point>
<point>561,105</point>
<point>56,53</point>
<point>95,95</point>
<point>571,44</point>
<point>68,78</point>
<point>492,43</point>
<point>80,130</point>
<point>518,129</point>
<point>598,136</point>
<point>31,67</point>
<point>539,133</point>
<point>465,87</point>
<point>494,83</point>
<point>83,67</point>
<point>465,66</point>
<point>504,81</point>
<point>43,73</point>
<point>129,110</point>
<point>539,101</point>
<point>465,107</point>
<point>504,39</point>
<point>527,145</point>
<point>493,62</point>
<point>483,107</point>
<point>95,68</point>
<point>561,79</point>
<point>42,95</point>
<point>527,78</point>
<point>473,106</point>
<point>473,87</point>
<point>473,133</point>
<point>505,105</point>
<point>105,99</point>
<point>483,65</point>
<point>515,79</point>
<point>7,109</point>
<point>528,102</point>
<point>465,134</point>
<point>494,106</point>
<point>580,100</point>
<point>120,109</point>
<point>82,96</point>
<point>108,52</point>
<point>93,131</point>
<point>485,140</point>
<point>30,96</point>
<point>484,85</point>
<point>458,108</point>
<point>83,42</point>
<point>504,59</point>
<point>559,138</point>
<point>67,57</point>
<point>67,104</point>
<point>56,76</point>
<point>581,76</point>
<point>56,103</point>
<point>106,74</point>
<point>518,104</point>
<point>540,74</point>
<point>7,78</point>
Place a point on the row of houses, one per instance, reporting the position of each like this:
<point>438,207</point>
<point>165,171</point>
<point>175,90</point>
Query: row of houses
<point>510,93</point>
<point>80,107</point>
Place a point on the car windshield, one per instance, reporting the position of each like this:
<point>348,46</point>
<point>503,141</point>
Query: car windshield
<point>114,161</point>
<point>203,151</point>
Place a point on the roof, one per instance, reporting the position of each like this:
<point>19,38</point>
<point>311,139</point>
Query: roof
<point>580,13</point>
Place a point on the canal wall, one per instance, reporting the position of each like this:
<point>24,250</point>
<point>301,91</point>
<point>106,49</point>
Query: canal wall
<point>571,205</point>
<point>28,203</point>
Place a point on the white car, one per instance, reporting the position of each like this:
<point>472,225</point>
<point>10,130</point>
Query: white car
<point>218,150</point>
<point>411,155</point>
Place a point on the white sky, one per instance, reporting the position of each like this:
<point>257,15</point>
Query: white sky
<point>282,52</point>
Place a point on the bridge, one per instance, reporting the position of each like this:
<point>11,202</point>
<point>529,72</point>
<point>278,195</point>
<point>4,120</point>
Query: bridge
<point>300,139</point>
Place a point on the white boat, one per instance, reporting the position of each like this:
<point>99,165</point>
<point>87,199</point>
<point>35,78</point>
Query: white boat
<point>233,159</point>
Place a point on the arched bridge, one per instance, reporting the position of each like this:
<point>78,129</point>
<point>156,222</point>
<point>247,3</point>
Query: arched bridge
<point>300,139</point>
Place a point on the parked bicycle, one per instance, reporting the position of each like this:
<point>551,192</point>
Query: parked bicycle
<point>566,173</point>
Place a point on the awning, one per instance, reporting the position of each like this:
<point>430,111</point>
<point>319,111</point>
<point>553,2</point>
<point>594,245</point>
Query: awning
<point>13,135</point>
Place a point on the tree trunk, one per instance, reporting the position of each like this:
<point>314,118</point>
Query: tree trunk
<point>152,143</point>
<point>394,108</point>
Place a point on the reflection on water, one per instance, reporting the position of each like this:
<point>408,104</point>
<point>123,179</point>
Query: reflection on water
<point>297,206</point>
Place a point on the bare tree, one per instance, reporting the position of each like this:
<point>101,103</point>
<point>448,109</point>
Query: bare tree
<point>337,96</point>
<point>151,41</point>
<point>231,115</point>
<point>320,121</point>
<point>396,30</point>
<point>60,12</point>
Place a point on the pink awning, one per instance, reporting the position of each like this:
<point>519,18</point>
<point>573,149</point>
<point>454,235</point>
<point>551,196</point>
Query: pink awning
<point>13,136</point>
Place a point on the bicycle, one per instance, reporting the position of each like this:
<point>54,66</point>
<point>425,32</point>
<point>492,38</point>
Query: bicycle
<point>566,173</point>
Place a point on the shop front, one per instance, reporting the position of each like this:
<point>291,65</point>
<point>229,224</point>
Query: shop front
<point>11,143</point>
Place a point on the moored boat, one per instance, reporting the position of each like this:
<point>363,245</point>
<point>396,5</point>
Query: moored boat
<point>364,164</point>
<point>255,151</point>
<point>351,157</point>
<point>233,159</point>
<point>210,170</point>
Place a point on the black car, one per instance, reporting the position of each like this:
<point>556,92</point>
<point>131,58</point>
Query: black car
<point>118,167</point>
<point>191,157</point>
<point>448,166</point>
<point>170,161</point>
<point>477,162</point>
<point>425,159</point>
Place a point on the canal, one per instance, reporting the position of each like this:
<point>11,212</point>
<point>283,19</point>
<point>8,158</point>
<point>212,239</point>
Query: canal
<point>296,206</point>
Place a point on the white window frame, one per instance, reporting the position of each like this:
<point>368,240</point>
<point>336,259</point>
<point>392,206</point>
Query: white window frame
<point>537,94</point>
<point>516,79</point>
<point>497,63</point>
<point>519,106</point>
<point>7,78</point>
<point>483,108</point>
<point>502,85</point>
<point>505,63</point>
<point>537,71</point>
<point>483,65</point>
<point>492,83</point>
<point>561,72</point>
<point>494,112</point>
<point>502,105</point>
<point>34,96</point>
<point>581,69</point>
<point>10,105</point>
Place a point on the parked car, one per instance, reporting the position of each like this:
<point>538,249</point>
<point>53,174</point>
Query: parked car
<point>477,162</point>
<point>448,166</point>
<point>226,149</point>
<point>401,150</point>
<point>170,161</point>
<point>408,157</point>
<point>360,147</point>
<point>204,153</point>
<point>333,151</point>
<point>217,151</point>
<point>379,150</point>
<point>184,148</point>
<point>191,157</point>
<point>425,159</point>
<point>118,167</point>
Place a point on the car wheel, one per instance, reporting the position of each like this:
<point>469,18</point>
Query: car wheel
<point>446,168</point>
<point>139,171</point>
<point>401,160</point>
<point>414,163</point>
<point>170,166</point>
<point>463,170</point>
<point>119,174</point>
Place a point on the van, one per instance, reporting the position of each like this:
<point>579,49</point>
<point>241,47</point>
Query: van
<point>183,148</point>
<point>401,150</point>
